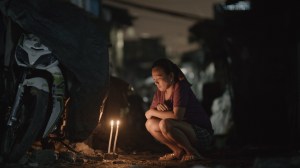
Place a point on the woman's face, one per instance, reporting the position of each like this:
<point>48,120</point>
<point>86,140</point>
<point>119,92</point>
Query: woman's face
<point>161,79</point>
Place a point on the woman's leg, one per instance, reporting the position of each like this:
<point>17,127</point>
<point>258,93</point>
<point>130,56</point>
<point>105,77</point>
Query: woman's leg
<point>180,133</point>
<point>152,126</point>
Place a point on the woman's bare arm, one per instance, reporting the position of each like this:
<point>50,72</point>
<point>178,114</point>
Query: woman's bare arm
<point>177,113</point>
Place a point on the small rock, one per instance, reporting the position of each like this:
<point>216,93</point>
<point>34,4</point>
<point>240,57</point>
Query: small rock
<point>33,164</point>
<point>118,162</point>
<point>110,156</point>
<point>97,151</point>
<point>81,160</point>
<point>95,158</point>
<point>82,147</point>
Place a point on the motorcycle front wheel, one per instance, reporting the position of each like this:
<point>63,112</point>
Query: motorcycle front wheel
<point>19,137</point>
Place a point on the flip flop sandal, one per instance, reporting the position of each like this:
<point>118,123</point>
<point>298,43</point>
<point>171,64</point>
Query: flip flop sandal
<point>188,158</point>
<point>168,156</point>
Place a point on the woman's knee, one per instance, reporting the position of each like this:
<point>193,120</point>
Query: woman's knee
<point>150,124</point>
<point>165,125</point>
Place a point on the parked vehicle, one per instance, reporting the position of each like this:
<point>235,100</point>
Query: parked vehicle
<point>34,93</point>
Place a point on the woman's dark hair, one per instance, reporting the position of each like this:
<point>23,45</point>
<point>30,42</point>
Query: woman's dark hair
<point>169,67</point>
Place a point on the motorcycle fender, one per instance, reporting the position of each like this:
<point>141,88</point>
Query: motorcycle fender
<point>55,115</point>
<point>37,82</point>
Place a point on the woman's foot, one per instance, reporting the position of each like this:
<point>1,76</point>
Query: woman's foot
<point>172,156</point>
<point>168,156</point>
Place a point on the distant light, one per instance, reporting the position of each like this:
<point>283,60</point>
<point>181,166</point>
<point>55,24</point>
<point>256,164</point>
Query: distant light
<point>188,72</point>
<point>239,6</point>
<point>210,69</point>
<point>130,32</point>
<point>145,35</point>
<point>145,99</point>
<point>184,70</point>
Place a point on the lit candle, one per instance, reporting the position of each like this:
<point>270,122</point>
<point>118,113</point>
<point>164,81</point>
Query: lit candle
<point>110,137</point>
<point>116,136</point>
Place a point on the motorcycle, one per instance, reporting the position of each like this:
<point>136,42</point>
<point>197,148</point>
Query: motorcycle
<point>34,97</point>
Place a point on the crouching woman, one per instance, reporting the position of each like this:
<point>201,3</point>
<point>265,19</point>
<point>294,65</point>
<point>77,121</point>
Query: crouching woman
<point>176,117</point>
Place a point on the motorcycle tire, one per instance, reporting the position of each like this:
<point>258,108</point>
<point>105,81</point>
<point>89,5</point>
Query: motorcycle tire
<point>31,117</point>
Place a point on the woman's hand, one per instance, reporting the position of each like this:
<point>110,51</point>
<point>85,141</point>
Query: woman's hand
<point>162,107</point>
<point>157,113</point>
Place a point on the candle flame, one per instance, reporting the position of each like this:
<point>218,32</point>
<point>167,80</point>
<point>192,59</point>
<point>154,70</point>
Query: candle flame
<point>112,122</point>
<point>118,122</point>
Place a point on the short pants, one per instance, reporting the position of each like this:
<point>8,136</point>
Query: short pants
<point>204,138</point>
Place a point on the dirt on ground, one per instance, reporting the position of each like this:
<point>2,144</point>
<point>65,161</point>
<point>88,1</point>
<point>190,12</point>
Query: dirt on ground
<point>80,155</point>
<point>134,161</point>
